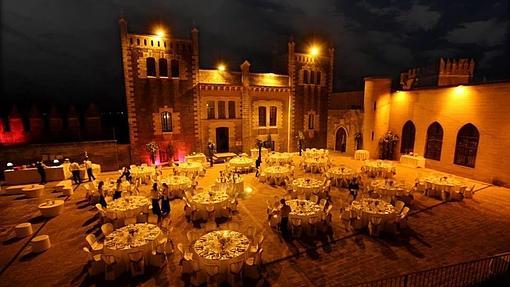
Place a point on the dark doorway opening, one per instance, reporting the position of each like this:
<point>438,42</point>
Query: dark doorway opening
<point>222,139</point>
<point>341,140</point>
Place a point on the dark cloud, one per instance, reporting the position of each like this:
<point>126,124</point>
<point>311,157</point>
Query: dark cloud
<point>64,50</point>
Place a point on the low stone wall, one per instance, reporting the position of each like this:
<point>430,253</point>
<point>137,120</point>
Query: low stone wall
<point>109,154</point>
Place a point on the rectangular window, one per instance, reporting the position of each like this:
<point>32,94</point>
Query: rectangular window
<point>231,109</point>
<point>262,116</point>
<point>312,77</point>
<point>375,106</point>
<point>221,110</point>
<point>211,113</point>
<point>311,122</point>
<point>272,116</point>
<point>318,78</point>
<point>166,122</point>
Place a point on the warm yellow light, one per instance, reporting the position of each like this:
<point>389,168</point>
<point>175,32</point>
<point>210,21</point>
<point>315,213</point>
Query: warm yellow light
<point>222,67</point>
<point>248,189</point>
<point>459,90</point>
<point>160,32</point>
<point>314,51</point>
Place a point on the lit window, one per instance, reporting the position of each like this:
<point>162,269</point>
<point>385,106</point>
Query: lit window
<point>175,68</point>
<point>210,110</point>
<point>151,67</point>
<point>467,146</point>
<point>166,122</point>
<point>231,109</point>
<point>262,116</point>
<point>272,116</point>
<point>163,68</point>
<point>221,110</point>
<point>311,121</point>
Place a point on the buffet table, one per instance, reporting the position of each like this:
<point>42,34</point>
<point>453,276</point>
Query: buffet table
<point>221,248</point>
<point>412,161</point>
<point>30,175</point>
<point>196,157</point>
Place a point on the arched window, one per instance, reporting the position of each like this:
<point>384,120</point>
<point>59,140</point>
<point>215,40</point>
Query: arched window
<point>166,122</point>
<point>408,133</point>
<point>341,140</point>
<point>305,77</point>
<point>272,116</point>
<point>151,67</point>
<point>311,121</point>
<point>175,68</point>
<point>434,141</point>
<point>262,116</point>
<point>467,145</point>
<point>163,68</point>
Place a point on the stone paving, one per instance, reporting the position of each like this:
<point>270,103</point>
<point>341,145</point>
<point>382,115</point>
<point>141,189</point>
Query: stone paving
<point>439,234</point>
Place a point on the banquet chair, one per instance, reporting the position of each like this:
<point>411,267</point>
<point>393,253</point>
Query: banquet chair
<point>198,278</point>
<point>322,203</point>
<point>113,268</point>
<point>252,265</point>
<point>212,271</point>
<point>107,228</point>
<point>295,227</point>
<point>185,259</point>
<point>250,232</point>
<point>402,218</point>
<point>374,226</point>
<point>345,218</point>
<point>136,263</point>
<point>158,256</point>
<point>399,205</point>
<point>288,185</point>
<point>153,219</point>
<point>211,212</point>
<point>312,226</point>
<point>301,196</point>
<point>314,198</point>
<point>95,264</point>
<point>469,192</point>
<point>210,226</point>
<point>95,246</point>
<point>236,274</point>
<point>101,212</point>
<point>262,177</point>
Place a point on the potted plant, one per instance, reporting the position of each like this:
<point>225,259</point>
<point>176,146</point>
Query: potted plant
<point>152,148</point>
<point>387,145</point>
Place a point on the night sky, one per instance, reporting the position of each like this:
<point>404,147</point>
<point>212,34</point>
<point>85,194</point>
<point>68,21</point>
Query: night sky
<point>68,51</point>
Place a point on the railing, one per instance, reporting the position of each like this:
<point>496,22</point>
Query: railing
<point>456,275</point>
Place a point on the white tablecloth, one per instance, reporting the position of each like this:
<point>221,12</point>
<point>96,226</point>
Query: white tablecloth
<point>254,152</point>
<point>277,174</point>
<point>190,168</point>
<point>143,172</point>
<point>279,158</point>
<point>304,209</point>
<point>129,206</point>
<point>221,248</point>
<point>339,174</point>
<point>389,189</point>
<point>30,175</point>
<point>378,168</point>
<point>315,165</point>
<point>307,186</point>
<point>198,157</point>
<point>412,161</point>
<point>361,154</point>
<point>242,162</point>
<point>367,208</point>
<point>211,197</point>
<point>177,184</point>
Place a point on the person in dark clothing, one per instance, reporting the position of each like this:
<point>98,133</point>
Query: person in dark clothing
<point>102,198</point>
<point>118,190</point>
<point>284,215</point>
<point>257,166</point>
<point>210,152</point>
<point>126,173</point>
<point>40,169</point>
<point>353,188</point>
<point>165,202</point>
<point>155,195</point>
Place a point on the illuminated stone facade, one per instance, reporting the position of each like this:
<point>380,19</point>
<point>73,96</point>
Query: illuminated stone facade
<point>173,102</point>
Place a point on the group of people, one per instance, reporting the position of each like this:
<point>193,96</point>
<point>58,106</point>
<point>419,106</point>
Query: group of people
<point>160,198</point>
<point>74,168</point>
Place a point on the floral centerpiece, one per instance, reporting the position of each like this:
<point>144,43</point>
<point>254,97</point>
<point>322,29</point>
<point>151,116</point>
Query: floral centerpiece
<point>152,148</point>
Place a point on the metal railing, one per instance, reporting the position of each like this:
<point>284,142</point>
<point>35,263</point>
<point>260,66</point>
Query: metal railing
<point>462,274</point>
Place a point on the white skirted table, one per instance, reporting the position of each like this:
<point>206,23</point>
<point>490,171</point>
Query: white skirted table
<point>129,206</point>
<point>190,168</point>
<point>242,164</point>
<point>196,157</point>
<point>254,152</point>
<point>368,208</point>
<point>339,175</point>
<point>217,198</point>
<point>277,174</point>
<point>142,172</point>
<point>307,186</point>
<point>441,186</point>
<point>132,238</point>
<point>412,161</point>
<point>361,154</point>
<point>51,208</point>
<point>221,248</point>
<point>34,190</point>
<point>177,184</point>
<point>389,189</point>
<point>304,209</point>
<point>279,158</point>
<point>378,168</point>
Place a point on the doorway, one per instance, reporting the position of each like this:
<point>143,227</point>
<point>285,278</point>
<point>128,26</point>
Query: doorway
<point>341,140</point>
<point>222,139</point>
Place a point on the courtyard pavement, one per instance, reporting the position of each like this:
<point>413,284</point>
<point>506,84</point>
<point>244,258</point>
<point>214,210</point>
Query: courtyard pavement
<point>439,234</point>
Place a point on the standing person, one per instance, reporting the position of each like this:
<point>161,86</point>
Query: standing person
<point>102,197</point>
<point>40,169</point>
<point>284,215</point>
<point>118,189</point>
<point>88,167</point>
<point>257,166</point>
<point>75,170</point>
<point>210,152</point>
<point>126,173</point>
<point>353,188</point>
<point>165,202</point>
<point>155,200</point>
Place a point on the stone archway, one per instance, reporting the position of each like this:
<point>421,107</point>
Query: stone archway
<point>341,140</point>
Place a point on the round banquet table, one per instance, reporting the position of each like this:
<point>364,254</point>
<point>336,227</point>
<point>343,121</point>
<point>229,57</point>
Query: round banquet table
<point>34,190</point>
<point>217,198</point>
<point>361,154</point>
<point>128,206</point>
<point>132,238</point>
<point>339,175</point>
<point>243,163</point>
<point>190,168</point>
<point>232,186</point>
<point>254,152</point>
<point>389,189</point>
<point>177,184</point>
<point>378,168</point>
<point>307,186</point>
<point>304,209</point>
<point>315,165</point>
<point>221,248</point>
<point>280,158</point>
<point>277,174</point>
<point>315,153</point>
<point>142,172</point>
<point>437,184</point>
<point>367,208</point>
<point>51,208</point>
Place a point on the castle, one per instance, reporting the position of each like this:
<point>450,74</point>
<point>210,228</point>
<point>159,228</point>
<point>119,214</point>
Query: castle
<point>438,113</point>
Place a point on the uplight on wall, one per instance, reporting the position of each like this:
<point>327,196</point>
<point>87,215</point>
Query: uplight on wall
<point>221,67</point>
<point>314,51</point>
<point>459,90</point>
